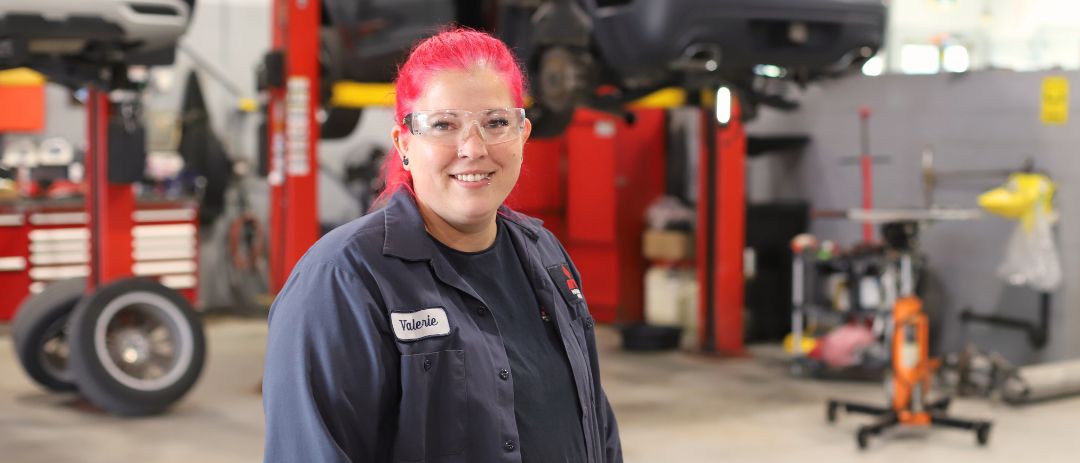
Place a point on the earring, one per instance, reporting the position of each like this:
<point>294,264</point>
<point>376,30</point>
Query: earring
<point>405,161</point>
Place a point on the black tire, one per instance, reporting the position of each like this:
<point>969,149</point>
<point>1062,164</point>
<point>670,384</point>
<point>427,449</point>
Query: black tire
<point>337,122</point>
<point>40,337</point>
<point>561,81</point>
<point>141,318</point>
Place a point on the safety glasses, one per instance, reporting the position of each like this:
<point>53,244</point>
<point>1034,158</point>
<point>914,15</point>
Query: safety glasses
<point>452,126</point>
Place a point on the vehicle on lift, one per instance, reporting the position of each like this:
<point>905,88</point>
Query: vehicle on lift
<point>605,53</point>
<point>70,41</point>
<point>129,344</point>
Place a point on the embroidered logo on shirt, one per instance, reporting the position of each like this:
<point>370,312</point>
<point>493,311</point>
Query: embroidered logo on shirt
<point>571,284</point>
<point>566,283</point>
<point>421,324</point>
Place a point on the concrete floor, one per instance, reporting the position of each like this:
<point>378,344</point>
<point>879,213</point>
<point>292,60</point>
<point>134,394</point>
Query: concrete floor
<point>672,407</point>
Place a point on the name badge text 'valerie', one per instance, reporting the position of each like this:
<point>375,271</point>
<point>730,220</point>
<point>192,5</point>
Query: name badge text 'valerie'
<point>410,326</point>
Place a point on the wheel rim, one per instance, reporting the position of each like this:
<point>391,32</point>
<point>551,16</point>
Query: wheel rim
<point>143,340</point>
<point>562,78</point>
<point>53,355</point>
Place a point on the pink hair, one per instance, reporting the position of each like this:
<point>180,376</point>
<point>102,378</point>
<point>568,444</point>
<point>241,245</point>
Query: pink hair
<point>455,49</point>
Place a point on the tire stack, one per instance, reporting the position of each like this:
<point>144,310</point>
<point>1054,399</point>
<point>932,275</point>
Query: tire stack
<point>132,347</point>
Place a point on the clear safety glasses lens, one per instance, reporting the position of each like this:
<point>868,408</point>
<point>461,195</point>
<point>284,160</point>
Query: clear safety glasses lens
<point>451,127</point>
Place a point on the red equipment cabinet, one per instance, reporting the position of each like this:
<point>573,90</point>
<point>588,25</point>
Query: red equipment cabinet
<point>541,187</point>
<point>591,187</point>
<point>14,255</point>
<point>45,240</point>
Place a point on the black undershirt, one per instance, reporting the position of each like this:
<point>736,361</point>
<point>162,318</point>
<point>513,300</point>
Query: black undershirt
<point>545,400</point>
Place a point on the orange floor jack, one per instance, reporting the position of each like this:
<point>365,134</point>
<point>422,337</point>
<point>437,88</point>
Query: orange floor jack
<point>910,383</point>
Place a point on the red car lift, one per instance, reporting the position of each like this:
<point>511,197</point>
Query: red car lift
<point>109,206</point>
<point>293,71</point>
<point>721,232</point>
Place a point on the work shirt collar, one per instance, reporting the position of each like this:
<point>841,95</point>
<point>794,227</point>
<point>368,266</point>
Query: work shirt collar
<point>406,237</point>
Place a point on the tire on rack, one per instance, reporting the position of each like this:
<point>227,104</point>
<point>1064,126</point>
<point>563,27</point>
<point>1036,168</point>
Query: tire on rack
<point>40,337</point>
<point>136,347</point>
<point>561,81</point>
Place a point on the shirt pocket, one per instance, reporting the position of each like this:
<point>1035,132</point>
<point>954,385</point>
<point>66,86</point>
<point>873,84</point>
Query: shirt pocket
<point>432,414</point>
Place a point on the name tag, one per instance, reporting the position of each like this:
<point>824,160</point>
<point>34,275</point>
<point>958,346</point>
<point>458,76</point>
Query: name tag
<point>426,323</point>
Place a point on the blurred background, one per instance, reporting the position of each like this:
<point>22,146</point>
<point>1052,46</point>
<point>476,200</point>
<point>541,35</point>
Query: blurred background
<point>827,228</point>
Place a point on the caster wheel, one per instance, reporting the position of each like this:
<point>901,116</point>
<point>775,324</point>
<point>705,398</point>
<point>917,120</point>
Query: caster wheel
<point>982,433</point>
<point>862,438</point>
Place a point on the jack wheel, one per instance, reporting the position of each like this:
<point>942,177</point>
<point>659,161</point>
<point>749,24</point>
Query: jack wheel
<point>982,433</point>
<point>862,438</point>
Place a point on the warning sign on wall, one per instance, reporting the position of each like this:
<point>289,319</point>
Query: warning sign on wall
<point>1055,100</point>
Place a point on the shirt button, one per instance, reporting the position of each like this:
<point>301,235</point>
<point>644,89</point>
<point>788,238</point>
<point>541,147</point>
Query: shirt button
<point>482,311</point>
<point>504,374</point>
<point>427,364</point>
<point>509,446</point>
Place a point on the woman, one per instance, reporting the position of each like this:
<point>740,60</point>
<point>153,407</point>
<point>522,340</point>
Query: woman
<point>443,327</point>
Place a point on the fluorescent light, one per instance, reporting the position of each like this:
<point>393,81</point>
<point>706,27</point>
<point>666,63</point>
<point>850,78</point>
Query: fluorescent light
<point>723,105</point>
<point>920,59</point>
<point>956,58</point>
<point>769,70</point>
<point>873,67</point>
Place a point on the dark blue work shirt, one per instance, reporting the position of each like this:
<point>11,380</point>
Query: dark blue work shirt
<point>378,351</point>
<point>545,404</point>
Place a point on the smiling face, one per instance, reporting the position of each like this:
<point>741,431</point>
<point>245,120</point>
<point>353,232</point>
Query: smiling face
<point>463,184</point>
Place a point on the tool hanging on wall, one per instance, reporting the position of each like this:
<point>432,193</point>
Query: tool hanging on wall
<point>1031,255</point>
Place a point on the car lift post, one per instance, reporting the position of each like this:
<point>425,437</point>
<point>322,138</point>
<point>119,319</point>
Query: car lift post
<point>293,135</point>
<point>109,206</point>
<point>721,230</point>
